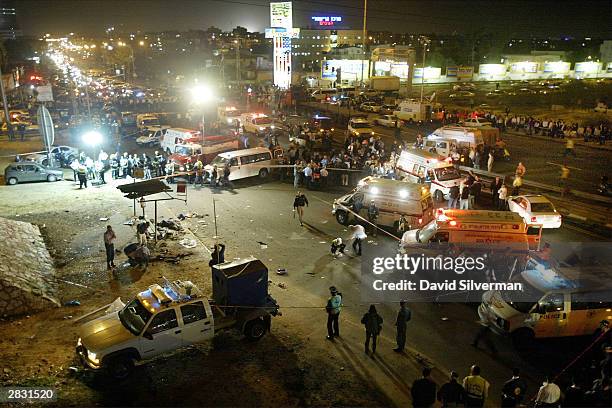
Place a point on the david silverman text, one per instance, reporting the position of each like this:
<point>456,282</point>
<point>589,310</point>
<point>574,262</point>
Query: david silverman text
<point>463,284</point>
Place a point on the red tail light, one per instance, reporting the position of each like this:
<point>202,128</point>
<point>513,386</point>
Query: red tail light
<point>533,219</point>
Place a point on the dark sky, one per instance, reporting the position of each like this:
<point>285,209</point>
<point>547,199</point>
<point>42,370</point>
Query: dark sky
<point>508,17</point>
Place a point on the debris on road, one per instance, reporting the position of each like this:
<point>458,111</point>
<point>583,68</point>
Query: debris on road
<point>73,303</point>
<point>188,243</point>
<point>281,271</point>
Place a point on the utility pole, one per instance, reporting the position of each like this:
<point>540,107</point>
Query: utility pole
<point>425,44</point>
<point>237,41</point>
<point>363,37</point>
<point>7,116</point>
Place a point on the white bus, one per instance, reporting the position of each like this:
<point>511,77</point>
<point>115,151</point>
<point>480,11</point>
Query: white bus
<point>246,162</point>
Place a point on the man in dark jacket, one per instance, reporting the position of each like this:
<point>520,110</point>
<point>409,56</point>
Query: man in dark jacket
<point>373,324</point>
<point>373,213</point>
<point>453,196</point>
<point>403,316</point>
<point>514,390</point>
<point>452,393</point>
<point>423,390</point>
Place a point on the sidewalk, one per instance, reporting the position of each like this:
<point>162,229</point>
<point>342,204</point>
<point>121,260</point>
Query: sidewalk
<point>577,141</point>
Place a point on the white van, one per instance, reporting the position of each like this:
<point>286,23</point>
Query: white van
<point>556,301</point>
<point>453,135</point>
<point>413,111</point>
<point>257,123</point>
<point>360,127</point>
<point>178,136</point>
<point>325,94</point>
<point>421,166</point>
<point>246,162</point>
<point>393,198</point>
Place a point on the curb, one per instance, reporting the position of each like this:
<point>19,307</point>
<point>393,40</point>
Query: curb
<point>561,141</point>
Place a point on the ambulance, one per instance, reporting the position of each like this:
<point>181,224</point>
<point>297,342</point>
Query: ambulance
<point>479,227</point>
<point>393,198</point>
<point>228,115</point>
<point>178,136</point>
<point>257,123</point>
<point>444,139</point>
<point>417,165</point>
<point>559,299</point>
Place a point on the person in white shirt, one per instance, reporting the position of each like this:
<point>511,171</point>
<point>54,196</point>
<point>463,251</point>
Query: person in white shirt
<point>548,395</point>
<point>358,236</point>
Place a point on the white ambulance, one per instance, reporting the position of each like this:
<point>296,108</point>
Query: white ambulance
<point>418,165</point>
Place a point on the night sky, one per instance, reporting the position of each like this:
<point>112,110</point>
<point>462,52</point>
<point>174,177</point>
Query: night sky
<point>516,18</point>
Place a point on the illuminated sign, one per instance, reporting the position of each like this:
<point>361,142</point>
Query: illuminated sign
<point>587,67</point>
<point>326,20</point>
<point>351,69</point>
<point>524,67</point>
<point>492,69</point>
<point>430,72</point>
<point>557,67</point>
<point>281,20</point>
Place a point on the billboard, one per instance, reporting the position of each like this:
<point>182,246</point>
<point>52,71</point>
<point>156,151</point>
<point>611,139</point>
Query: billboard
<point>430,72</point>
<point>351,69</point>
<point>281,14</point>
<point>587,67</point>
<point>464,72</point>
<point>326,21</point>
<point>492,69</point>
<point>557,67</point>
<point>391,68</point>
<point>527,67</point>
<point>281,21</point>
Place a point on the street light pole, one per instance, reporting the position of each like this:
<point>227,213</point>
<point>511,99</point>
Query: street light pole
<point>363,34</point>
<point>425,43</point>
<point>7,116</point>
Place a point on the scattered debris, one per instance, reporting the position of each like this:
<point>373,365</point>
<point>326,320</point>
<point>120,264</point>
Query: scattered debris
<point>444,319</point>
<point>103,218</point>
<point>73,369</point>
<point>281,271</point>
<point>175,259</point>
<point>73,303</point>
<point>262,245</point>
<point>188,243</point>
<point>281,285</point>
<point>171,224</point>
<point>68,317</point>
<point>129,222</point>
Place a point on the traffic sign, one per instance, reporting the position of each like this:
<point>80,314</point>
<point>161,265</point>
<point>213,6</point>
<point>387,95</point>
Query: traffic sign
<point>47,131</point>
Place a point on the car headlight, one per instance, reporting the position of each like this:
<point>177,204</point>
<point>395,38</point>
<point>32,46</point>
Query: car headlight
<point>272,127</point>
<point>92,357</point>
<point>181,168</point>
<point>372,132</point>
<point>261,128</point>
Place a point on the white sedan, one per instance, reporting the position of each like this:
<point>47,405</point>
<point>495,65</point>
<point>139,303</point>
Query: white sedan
<point>535,209</point>
<point>387,121</point>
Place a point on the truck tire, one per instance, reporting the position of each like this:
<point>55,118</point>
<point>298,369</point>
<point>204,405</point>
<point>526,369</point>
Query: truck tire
<point>263,173</point>
<point>523,339</point>
<point>342,217</point>
<point>12,181</point>
<point>439,196</point>
<point>51,178</point>
<point>255,329</point>
<point>120,367</point>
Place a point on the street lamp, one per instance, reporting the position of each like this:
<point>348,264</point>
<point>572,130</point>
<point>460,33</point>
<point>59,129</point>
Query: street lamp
<point>202,95</point>
<point>92,138</point>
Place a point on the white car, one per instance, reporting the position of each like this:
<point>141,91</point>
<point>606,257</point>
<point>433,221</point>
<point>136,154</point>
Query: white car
<point>387,121</point>
<point>535,209</point>
<point>360,127</point>
<point>475,122</point>
<point>69,153</point>
<point>152,137</point>
<point>370,107</point>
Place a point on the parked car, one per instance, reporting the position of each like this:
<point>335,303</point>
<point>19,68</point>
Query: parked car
<point>462,95</point>
<point>64,153</point>
<point>475,122</point>
<point>370,107</point>
<point>388,109</point>
<point>535,209</point>
<point>24,172</point>
<point>387,121</point>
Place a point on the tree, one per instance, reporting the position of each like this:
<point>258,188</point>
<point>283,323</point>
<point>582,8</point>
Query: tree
<point>240,31</point>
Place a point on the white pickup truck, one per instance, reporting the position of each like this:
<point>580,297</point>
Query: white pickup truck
<point>162,319</point>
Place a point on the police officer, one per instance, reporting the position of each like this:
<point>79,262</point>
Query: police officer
<point>514,390</point>
<point>403,317</point>
<point>334,304</point>
<point>476,388</point>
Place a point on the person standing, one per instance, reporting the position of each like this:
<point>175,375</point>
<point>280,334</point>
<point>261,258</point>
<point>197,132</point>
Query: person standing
<point>502,198</point>
<point>464,193</point>
<point>495,186</point>
<point>373,213</point>
<point>299,202</point>
<point>520,170</point>
<point>109,244</point>
<point>569,148</point>
<point>517,184</point>
<point>308,176</point>
<point>453,196</point>
<point>565,173</point>
<point>401,324</point>
<point>476,388</point>
<point>490,161</point>
<point>514,390</point>
<point>337,247</point>
<point>452,394</point>
<point>549,394</point>
<point>334,304</point>
<point>373,324</point>
<point>423,390</point>
<point>141,231</point>
<point>358,236</point>
<point>82,175</point>
<point>226,176</point>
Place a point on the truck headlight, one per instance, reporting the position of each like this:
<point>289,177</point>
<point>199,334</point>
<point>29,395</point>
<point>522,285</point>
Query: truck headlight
<point>92,357</point>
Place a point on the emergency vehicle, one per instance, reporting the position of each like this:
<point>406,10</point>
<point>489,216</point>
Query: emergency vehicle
<point>178,136</point>
<point>207,148</point>
<point>174,315</point>
<point>228,115</point>
<point>413,111</point>
<point>257,123</point>
<point>417,165</point>
<point>393,198</point>
<point>559,299</point>
<point>481,227</point>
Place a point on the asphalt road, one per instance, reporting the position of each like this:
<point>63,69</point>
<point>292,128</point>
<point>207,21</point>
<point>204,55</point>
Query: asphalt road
<point>541,157</point>
<point>442,333</point>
